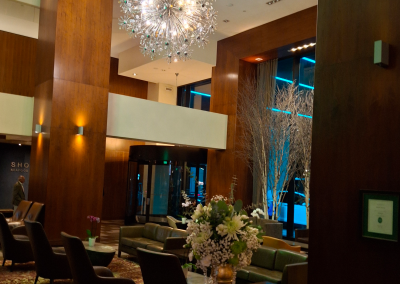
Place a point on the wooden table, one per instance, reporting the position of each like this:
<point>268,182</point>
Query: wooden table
<point>99,254</point>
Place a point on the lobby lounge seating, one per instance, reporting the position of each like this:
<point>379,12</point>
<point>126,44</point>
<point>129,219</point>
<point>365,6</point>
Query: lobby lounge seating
<point>81,268</point>
<point>279,244</point>
<point>48,264</point>
<point>20,212</point>
<point>35,213</point>
<point>271,228</point>
<point>150,236</point>
<point>169,269</point>
<point>15,248</point>
<point>172,222</point>
<point>275,266</point>
<point>301,236</point>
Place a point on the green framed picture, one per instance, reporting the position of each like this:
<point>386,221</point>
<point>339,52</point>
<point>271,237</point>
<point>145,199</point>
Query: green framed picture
<point>380,215</point>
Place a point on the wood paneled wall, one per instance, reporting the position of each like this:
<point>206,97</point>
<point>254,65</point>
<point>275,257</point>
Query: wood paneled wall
<point>355,139</point>
<point>72,90</point>
<point>116,177</point>
<point>230,70</point>
<point>17,64</point>
<point>124,85</point>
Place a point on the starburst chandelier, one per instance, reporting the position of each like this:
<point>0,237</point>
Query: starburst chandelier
<point>169,27</point>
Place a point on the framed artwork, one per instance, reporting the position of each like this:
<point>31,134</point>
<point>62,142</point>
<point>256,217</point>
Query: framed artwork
<point>380,215</point>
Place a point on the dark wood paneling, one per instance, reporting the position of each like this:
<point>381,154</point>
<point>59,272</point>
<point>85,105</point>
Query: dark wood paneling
<point>77,95</point>
<point>355,140</point>
<point>115,177</point>
<point>124,85</point>
<point>265,39</point>
<point>17,64</point>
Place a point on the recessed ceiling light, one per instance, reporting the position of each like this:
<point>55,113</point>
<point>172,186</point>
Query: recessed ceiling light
<point>134,74</point>
<point>272,2</point>
<point>226,21</point>
<point>19,144</point>
<point>302,47</point>
<point>259,59</point>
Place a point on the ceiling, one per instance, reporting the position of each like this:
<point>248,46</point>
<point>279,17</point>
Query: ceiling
<point>17,16</point>
<point>242,15</point>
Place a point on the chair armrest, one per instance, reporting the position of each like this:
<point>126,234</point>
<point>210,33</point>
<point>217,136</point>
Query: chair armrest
<point>102,271</point>
<point>174,243</point>
<point>296,273</point>
<point>20,230</point>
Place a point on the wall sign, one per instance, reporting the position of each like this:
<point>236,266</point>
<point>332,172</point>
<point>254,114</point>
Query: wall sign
<point>19,167</point>
<point>380,215</point>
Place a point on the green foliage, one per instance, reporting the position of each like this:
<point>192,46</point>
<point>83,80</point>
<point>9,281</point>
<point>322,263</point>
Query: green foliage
<point>234,261</point>
<point>238,247</point>
<point>187,265</point>
<point>243,212</point>
<point>89,233</point>
<point>238,205</point>
<point>222,206</point>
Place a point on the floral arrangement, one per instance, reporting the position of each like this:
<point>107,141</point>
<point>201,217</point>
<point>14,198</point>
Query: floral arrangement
<point>222,233</point>
<point>94,221</point>
<point>188,205</point>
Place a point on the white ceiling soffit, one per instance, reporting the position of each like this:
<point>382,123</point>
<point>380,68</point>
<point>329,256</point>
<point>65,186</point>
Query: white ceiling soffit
<point>242,16</point>
<point>20,17</point>
<point>132,63</point>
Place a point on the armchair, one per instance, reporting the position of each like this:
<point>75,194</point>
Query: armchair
<point>20,212</point>
<point>81,268</point>
<point>169,272</point>
<point>172,222</point>
<point>279,244</point>
<point>35,213</point>
<point>18,250</point>
<point>49,264</point>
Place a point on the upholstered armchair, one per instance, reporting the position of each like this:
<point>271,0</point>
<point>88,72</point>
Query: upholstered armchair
<point>81,268</point>
<point>20,212</point>
<point>16,249</point>
<point>172,222</point>
<point>49,265</point>
<point>170,270</point>
<point>35,213</point>
<point>271,228</point>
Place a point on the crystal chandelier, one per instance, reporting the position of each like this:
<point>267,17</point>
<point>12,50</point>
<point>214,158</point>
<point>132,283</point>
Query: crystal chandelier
<point>169,27</point>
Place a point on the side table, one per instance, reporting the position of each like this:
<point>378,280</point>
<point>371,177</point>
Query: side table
<point>99,254</point>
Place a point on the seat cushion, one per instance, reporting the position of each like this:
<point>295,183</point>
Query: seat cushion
<point>150,230</point>
<point>285,257</point>
<point>162,233</point>
<point>156,247</point>
<point>259,274</point>
<point>242,274</point>
<point>264,257</point>
<point>15,224</point>
<point>136,242</point>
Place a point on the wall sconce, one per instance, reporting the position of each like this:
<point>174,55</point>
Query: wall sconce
<point>38,128</point>
<point>80,130</point>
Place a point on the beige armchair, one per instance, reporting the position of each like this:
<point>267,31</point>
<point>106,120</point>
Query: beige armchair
<point>172,222</point>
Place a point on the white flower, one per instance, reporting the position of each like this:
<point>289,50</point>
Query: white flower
<point>231,228</point>
<point>206,261</point>
<point>190,256</point>
<point>256,212</point>
<point>198,212</point>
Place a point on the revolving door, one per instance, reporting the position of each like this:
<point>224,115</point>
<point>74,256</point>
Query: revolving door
<point>156,177</point>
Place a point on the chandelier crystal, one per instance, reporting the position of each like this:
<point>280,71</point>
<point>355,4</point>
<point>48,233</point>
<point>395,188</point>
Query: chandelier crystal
<point>169,27</point>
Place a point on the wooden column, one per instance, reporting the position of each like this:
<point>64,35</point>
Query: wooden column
<point>226,78</point>
<point>72,85</point>
<point>355,139</point>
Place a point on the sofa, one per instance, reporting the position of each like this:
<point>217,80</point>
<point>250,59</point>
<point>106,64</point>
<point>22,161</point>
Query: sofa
<point>275,266</point>
<point>150,236</point>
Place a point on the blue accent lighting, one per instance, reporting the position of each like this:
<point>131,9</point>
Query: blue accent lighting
<point>284,80</point>
<point>201,94</point>
<point>306,86</point>
<point>303,115</point>
<point>308,59</point>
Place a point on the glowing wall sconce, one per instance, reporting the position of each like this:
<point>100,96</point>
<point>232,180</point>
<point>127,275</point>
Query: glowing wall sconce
<point>38,128</point>
<point>80,130</point>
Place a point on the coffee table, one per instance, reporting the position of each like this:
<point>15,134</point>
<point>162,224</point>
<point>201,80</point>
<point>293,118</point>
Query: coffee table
<point>99,254</point>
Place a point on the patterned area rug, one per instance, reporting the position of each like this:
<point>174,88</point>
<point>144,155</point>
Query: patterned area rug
<point>25,273</point>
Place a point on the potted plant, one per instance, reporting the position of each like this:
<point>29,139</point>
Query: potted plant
<point>188,207</point>
<point>186,268</point>
<point>93,227</point>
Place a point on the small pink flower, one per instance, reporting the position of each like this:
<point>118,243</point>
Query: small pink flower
<point>98,220</point>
